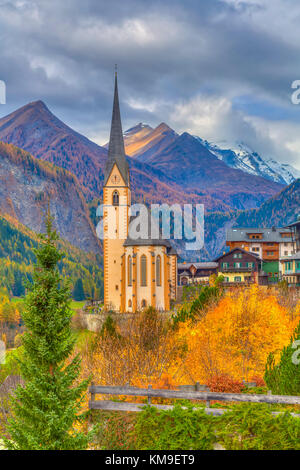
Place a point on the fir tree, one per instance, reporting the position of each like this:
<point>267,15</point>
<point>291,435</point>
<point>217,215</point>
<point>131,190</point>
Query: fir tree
<point>284,378</point>
<point>47,407</point>
<point>78,292</point>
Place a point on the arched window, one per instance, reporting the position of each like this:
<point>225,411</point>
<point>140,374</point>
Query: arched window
<point>158,270</point>
<point>143,271</point>
<point>129,303</point>
<point>144,303</point>
<point>129,271</point>
<point>115,198</point>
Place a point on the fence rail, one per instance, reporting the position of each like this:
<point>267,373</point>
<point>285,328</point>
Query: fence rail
<point>181,395</point>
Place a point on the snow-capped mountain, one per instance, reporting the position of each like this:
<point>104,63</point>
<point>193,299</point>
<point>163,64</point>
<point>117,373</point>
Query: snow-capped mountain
<point>240,156</point>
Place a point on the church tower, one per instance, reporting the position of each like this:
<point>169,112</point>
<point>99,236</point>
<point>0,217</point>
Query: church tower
<point>116,201</point>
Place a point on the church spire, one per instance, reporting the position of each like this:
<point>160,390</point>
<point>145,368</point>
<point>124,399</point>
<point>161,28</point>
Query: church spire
<point>116,151</point>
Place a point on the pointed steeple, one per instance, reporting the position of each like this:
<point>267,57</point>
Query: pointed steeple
<point>116,151</point>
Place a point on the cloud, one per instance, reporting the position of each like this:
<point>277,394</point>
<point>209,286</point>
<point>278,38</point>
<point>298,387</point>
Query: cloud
<point>221,66</point>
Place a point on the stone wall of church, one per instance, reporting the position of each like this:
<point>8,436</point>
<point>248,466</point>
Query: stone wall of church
<point>139,296</point>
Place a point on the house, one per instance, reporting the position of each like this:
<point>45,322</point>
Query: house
<point>291,269</point>
<point>270,244</point>
<point>241,266</point>
<point>137,272</point>
<point>195,273</point>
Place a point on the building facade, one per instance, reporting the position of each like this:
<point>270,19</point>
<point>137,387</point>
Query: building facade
<point>270,244</point>
<point>138,272</point>
<point>195,273</point>
<point>240,266</point>
<point>291,269</point>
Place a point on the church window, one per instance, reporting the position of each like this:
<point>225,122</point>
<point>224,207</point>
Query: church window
<point>143,271</point>
<point>158,270</point>
<point>129,271</point>
<point>115,198</point>
<point>144,303</point>
<point>129,303</point>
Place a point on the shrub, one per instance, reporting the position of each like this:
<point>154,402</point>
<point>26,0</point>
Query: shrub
<point>223,383</point>
<point>176,429</point>
<point>253,427</point>
<point>284,378</point>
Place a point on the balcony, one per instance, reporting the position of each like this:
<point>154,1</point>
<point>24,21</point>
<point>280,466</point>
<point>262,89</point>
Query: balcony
<point>235,269</point>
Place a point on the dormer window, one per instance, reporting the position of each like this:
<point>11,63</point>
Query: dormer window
<point>115,198</point>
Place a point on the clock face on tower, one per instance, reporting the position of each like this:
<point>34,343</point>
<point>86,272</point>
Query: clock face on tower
<point>115,179</point>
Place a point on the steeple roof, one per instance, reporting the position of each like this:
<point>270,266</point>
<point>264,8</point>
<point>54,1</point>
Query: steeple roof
<point>116,151</point>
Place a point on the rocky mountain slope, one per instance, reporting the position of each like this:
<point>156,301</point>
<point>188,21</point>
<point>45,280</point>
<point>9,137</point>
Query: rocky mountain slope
<point>27,183</point>
<point>240,156</point>
<point>191,165</point>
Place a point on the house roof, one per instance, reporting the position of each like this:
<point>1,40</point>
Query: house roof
<point>295,256</point>
<point>250,253</point>
<point>116,150</point>
<point>204,265</point>
<point>147,240</point>
<point>268,234</point>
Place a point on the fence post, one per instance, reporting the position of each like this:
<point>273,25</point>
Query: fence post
<point>207,403</point>
<point>92,393</point>
<point>149,398</point>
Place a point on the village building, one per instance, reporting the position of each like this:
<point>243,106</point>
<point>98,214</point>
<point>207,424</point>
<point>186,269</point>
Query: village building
<point>241,266</point>
<point>137,272</point>
<point>290,265</point>
<point>270,244</point>
<point>291,269</point>
<point>195,273</point>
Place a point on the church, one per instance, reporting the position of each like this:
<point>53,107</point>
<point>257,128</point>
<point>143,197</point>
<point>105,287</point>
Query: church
<point>137,273</point>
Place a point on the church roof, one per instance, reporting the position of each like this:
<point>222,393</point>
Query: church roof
<point>116,151</point>
<point>148,241</point>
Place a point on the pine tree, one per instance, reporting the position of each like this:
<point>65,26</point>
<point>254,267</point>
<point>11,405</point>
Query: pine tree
<point>78,292</point>
<point>47,407</point>
<point>284,378</point>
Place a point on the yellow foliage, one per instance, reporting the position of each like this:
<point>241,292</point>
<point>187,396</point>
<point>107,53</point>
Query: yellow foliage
<point>236,336</point>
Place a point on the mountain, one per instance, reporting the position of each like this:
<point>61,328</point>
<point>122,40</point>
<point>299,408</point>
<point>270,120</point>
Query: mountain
<point>144,142</point>
<point>240,156</point>
<point>280,210</point>
<point>165,168</point>
<point>26,183</point>
<point>191,165</point>
<point>277,211</point>
<point>35,129</point>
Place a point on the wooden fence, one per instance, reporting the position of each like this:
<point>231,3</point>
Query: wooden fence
<point>179,395</point>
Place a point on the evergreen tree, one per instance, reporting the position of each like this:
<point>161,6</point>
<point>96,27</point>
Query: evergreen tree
<point>18,288</point>
<point>47,407</point>
<point>284,378</point>
<point>78,291</point>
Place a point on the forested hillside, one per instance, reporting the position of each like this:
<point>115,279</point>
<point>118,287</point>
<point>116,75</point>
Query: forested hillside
<point>17,256</point>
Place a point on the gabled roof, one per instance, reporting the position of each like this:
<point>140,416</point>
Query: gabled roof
<point>116,150</point>
<point>148,241</point>
<point>273,234</point>
<point>203,265</point>
<point>250,253</point>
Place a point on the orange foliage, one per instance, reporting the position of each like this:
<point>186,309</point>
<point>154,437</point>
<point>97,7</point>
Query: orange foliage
<point>225,384</point>
<point>236,336</point>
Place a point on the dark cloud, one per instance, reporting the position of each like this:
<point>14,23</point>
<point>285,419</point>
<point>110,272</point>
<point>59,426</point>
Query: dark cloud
<point>168,53</point>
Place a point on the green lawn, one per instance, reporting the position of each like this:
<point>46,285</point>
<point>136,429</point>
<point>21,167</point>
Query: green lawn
<point>77,305</point>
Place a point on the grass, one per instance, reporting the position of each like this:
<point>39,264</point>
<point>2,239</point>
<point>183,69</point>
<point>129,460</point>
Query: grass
<point>77,305</point>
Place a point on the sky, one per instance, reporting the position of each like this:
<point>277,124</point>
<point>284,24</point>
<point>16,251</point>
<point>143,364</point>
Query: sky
<point>219,69</point>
